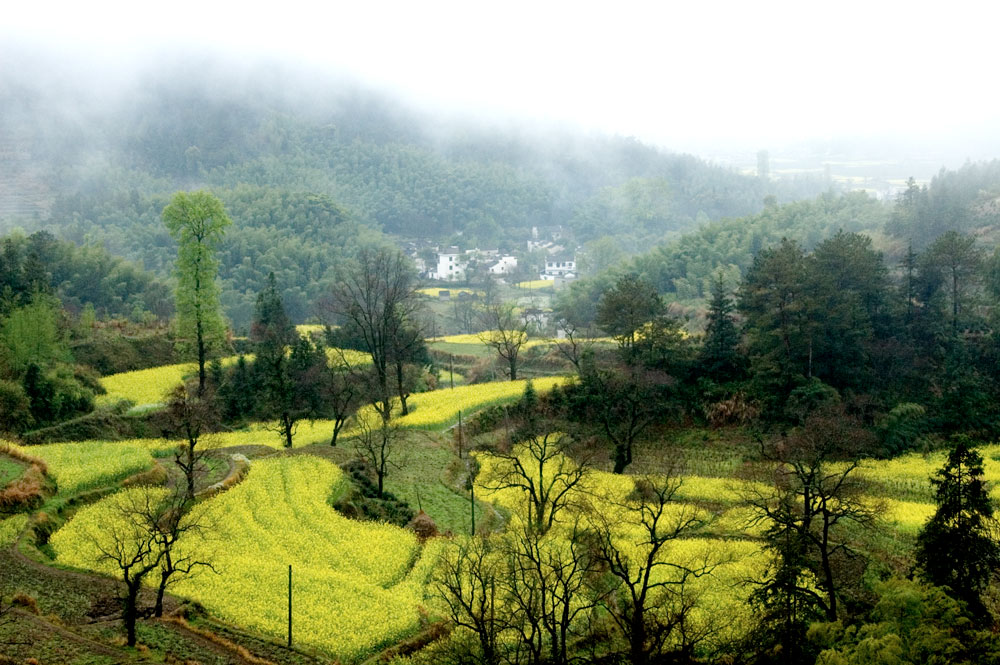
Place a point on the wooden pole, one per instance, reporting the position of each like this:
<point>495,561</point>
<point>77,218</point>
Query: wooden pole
<point>459,434</point>
<point>289,606</point>
<point>472,501</point>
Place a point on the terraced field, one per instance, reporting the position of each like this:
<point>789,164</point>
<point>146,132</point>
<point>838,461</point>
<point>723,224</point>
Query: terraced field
<point>358,585</point>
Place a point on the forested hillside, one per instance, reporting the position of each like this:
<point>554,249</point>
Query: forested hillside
<point>684,268</point>
<point>310,168</point>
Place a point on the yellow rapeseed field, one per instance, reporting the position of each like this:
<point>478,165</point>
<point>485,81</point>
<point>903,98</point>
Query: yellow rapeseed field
<point>147,387</point>
<point>536,284</point>
<point>356,585</point>
<point>439,408</point>
<point>11,527</point>
<point>82,465</point>
<point>433,292</point>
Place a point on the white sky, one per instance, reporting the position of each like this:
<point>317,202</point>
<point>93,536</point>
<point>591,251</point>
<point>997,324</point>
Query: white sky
<point>671,71</point>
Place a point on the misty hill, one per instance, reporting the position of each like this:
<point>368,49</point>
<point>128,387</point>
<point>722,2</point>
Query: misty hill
<point>310,166</point>
<point>965,200</point>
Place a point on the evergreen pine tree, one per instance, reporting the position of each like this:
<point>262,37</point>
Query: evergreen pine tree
<point>957,547</point>
<point>719,356</point>
<point>272,332</point>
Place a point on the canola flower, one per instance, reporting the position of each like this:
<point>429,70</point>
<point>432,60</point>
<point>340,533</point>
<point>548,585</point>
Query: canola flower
<point>726,564</point>
<point>476,339</point>
<point>144,386</point>
<point>439,408</point>
<point>536,284</point>
<point>358,585</point>
<point>11,527</point>
<point>308,329</point>
<point>149,387</point>
<point>83,465</point>
<point>432,292</point>
<point>907,516</point>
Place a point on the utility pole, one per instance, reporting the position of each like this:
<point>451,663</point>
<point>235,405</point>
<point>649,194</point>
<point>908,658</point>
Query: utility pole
<point>472,502</point>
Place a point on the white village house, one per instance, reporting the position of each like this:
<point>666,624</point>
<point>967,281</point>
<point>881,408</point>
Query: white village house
<point>559,267</point>
<point>450,266</point>
<point>504,266</point>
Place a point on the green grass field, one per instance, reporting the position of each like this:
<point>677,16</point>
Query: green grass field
<point>10,469</point>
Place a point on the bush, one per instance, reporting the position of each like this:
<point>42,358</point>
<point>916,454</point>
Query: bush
<point>29,490</point>
<point>111,352</point>
<point>43,527</point>
<point>423,526</point>
<point>15,408</point>
<point>21,599</point>
<point>56,394</point>
<point>363,503</point>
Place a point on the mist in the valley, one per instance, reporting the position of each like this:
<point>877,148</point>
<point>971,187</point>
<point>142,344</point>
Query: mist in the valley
<point>862,92</point>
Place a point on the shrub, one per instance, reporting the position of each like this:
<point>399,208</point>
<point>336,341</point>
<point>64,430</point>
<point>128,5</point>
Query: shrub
<point>423,525</point>
<point>43,527</point>
<point>28,491</point>
<point>22,599</point>
<point>15,408</point>
<point>364,504</point>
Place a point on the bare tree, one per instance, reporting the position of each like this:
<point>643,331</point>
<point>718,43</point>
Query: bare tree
<point>542,469</point>
<point>144,526</point>
<point>342,393</point>
<point>377,444</point>
<point>190,416</point>
<point>809,507</point>
<point>376,297</point>
<point>470,580</point>
<point>625,399</point>
<point>406,347</point>
<point>179,517</point>
<point>649,598</point>
<point>463,312</point>
<point>128,541</point>
<point>504,330</point>
<point>577,344</point>
<point>547,583</point>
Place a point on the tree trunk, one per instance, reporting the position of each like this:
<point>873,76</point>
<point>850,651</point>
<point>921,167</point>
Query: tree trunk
<point>200,334</point>
<point>637,638</point>
<point>158,607</point>
<point>337,424</point>
<point>189,472</point>
<point>288,430</point>
<point>201,360</point>
<point>831,608</point>
<point>402,393</point>
<point>622,457</point>
<point>512,361</point>
<point>131,612</point>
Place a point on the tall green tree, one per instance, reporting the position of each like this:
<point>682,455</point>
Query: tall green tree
<point>197,221</point>
<point>954,263</point>
<point>957,548</point>
<point>272,333</point>
<point>719,355</point>
<point>624,308</point>
<point>775,300</point>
